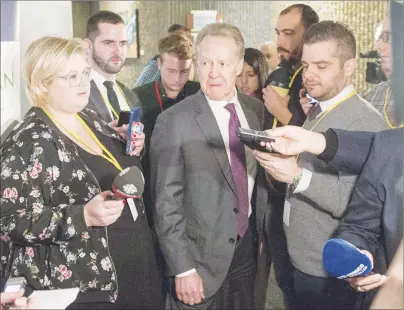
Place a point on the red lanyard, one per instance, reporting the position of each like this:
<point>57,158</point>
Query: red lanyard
<point>156,87</point>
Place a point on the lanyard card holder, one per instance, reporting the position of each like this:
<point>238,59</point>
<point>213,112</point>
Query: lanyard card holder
<point>134,127</point>
<point>136,207</point>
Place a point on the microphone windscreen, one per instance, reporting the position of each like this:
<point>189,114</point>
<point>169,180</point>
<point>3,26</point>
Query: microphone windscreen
<point>129,183</point>
<point>343,260</point>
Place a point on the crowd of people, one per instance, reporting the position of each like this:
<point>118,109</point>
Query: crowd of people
<point>215,214</point>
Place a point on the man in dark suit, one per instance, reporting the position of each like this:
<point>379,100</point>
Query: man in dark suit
<point>107,41</point>
<point>210,197</point>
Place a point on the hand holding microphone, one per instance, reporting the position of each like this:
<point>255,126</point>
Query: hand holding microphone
<point>101,212</point>
<point>129,185</point>
<point>105,208</point>
<point>345,261</point>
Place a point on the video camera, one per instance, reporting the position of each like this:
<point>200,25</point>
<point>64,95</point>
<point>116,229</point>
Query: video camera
<point>374,73</point>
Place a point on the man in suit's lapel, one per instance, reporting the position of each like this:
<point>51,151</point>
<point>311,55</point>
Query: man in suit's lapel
<point>96,103</point>
<point>208,125</point>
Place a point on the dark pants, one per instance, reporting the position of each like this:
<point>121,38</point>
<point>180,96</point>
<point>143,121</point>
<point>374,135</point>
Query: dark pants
<point>237,289</point>
<point>323,293</point>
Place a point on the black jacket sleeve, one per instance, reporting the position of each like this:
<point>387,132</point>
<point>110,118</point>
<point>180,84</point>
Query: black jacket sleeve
<point>361,224</point>
<point>353,150</point>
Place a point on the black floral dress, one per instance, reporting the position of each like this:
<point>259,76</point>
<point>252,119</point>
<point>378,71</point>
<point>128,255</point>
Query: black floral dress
<point>45,182</point>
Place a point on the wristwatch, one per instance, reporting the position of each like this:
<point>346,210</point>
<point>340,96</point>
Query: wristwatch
<point>295,182</point>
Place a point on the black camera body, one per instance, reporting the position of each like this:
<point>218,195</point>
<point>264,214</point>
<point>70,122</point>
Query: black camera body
<point>374,73</point>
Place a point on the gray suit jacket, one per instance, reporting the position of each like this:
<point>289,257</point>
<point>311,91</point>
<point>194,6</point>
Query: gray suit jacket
<point>97,104</point>
<point>194,194</point>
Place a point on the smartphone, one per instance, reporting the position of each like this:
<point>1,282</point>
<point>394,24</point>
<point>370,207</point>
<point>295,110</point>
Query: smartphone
<point>124,117</point>
<point>134,128</point>
<point>313,101</point>
<point>15,284</point>
<point>252,138</point>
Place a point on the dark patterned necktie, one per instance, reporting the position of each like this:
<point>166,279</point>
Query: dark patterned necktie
<point>315,112</point>
<point>239,170</point>
<point>112,97</point>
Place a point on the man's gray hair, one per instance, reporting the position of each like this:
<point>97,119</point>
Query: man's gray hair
<point>222,30</point>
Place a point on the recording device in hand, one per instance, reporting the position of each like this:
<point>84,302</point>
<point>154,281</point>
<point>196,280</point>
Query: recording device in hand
<point>343,260</point>
<point>312,100</point>
<point>129,185</point>
<point>252,138</point>
<point>124,117</point>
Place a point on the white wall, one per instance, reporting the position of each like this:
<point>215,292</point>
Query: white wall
<point>38,19</point>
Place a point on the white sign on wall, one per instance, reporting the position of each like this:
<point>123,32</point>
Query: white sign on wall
<point>10,83</point>
<point>202,18</point>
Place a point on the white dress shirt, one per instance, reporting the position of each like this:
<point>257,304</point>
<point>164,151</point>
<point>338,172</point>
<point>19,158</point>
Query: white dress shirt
<point>222,116</point>
<point>305,180</point>
<point>99,81</point>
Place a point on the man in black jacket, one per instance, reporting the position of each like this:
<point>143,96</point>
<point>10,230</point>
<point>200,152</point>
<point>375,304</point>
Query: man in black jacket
<point>292,23</point>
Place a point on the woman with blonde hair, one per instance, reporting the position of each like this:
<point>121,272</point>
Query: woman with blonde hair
<point>58,229</point>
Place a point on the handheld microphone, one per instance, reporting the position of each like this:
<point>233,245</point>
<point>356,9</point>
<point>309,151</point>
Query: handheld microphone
<point>129,183</point>
<point>343,260</point>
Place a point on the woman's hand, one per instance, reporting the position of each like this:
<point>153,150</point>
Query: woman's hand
<point>137,144</point>
<point>101,212</point>
<point>137,139</point>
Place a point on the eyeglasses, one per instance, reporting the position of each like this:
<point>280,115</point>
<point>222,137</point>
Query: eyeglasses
<point>75,78</point>
<point>385,36</point>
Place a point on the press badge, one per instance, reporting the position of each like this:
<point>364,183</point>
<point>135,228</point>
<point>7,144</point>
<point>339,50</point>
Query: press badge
<point>132,207</point>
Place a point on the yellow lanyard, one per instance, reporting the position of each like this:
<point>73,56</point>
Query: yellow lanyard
<point>108,157</point>
<point>110,105</point>
<point>330,109</point>
<point>333,107</point>
<point>290,85</point>
<point>386,100</point>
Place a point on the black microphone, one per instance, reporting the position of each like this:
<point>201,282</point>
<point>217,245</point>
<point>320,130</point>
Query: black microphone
<point>129,183</point>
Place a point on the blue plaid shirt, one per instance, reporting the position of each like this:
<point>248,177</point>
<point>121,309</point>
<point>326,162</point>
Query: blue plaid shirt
<point>150,73</point>
<point>377,98</point>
